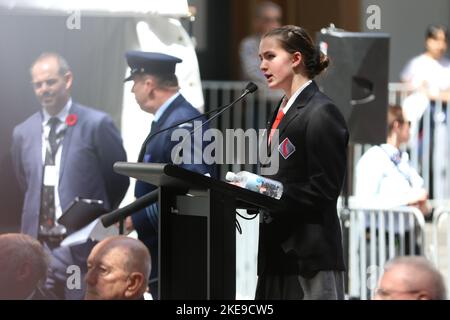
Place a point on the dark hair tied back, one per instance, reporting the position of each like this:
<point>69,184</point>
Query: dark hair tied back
<point>296,39</point>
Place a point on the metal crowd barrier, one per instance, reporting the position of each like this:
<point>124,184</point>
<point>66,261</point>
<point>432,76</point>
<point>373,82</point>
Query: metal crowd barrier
<point>376,235</point>
<point>441,241</point>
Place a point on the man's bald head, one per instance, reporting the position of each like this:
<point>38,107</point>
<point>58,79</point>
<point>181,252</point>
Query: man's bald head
<point>137,255</point>
<point>118,268</point>
<point>412,277</point>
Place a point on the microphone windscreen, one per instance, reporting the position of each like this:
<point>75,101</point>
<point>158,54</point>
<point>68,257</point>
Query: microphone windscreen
<point>251,87</point>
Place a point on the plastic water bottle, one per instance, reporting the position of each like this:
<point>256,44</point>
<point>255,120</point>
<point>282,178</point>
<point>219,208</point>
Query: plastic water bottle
<point>256,183</point>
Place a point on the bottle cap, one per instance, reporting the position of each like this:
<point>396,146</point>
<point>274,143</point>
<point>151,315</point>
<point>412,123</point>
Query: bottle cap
<point>230,176</point>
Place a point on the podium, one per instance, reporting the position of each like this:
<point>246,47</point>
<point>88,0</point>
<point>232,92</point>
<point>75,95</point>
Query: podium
<point>197,237</point>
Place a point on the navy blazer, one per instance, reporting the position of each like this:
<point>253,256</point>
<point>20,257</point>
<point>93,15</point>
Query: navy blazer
<point>89,150</point>
<point>303,236</point>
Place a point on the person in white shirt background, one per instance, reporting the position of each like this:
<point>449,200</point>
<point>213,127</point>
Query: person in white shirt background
<point>430,71</point>
<point>428,77</point>
<point>384,175</point>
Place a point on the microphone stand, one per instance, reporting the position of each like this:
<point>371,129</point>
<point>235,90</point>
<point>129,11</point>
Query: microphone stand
<point>120,214</point>
<point>251,87</point>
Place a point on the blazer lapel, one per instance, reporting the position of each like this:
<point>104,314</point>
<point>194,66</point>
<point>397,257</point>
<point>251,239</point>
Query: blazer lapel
<point>292,113</point>
<point>288,117</point>
<point>156,126</point>
<point>154,129</point>
<point>36,148</point>
<point>67,137</point>
<point>306,95</point>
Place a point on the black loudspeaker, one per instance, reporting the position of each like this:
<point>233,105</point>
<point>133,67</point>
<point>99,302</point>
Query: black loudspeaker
<point>357,81</point>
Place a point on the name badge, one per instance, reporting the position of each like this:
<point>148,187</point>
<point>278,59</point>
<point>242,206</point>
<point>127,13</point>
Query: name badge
<point>50,176</point>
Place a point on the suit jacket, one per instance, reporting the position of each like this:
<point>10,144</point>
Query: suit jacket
<point>89,150</point>
<point>303,236</point>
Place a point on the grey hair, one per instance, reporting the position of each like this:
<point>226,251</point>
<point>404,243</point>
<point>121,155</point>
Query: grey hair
<point>62,63</point>
<point>435,282</point>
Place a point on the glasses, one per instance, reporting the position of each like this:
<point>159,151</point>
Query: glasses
<point>387,294</point>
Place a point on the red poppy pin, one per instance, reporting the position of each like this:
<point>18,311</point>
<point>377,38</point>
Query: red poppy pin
<point>71,119</point>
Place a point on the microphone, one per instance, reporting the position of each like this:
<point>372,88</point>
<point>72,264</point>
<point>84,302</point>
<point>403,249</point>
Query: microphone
<point>249,88</point>
<point>120,214</point>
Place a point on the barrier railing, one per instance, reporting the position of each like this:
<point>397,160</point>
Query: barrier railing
<point>441,241</point>
<point>375,236</point>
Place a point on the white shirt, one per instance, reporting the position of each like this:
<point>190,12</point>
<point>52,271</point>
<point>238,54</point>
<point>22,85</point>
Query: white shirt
<point>62,115</point>
<point>380,182</point>
<point>294,96</point>
<point>164,106</point>
<point>423,69</point>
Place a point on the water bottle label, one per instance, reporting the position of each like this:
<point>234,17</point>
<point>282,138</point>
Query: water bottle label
<point>261,185</point>
<point>253,184</point>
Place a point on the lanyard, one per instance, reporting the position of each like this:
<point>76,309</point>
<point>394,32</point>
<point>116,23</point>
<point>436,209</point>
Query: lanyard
<point>406,176</point>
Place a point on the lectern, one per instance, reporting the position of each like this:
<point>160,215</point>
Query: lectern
<point>197,239</point>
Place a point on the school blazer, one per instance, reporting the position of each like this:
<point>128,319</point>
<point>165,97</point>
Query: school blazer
<point>303,235</point>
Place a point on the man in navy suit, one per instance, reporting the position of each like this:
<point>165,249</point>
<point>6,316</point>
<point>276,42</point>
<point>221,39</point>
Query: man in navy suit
<point>64,151</point>
<point>157,92</point>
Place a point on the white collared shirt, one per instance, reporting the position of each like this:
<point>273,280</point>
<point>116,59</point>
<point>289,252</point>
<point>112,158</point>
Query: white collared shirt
<point>381,180</point>
<point>164,106</point>
<point>294,96</point>
<point>62,115</point>
<point>385,179</point>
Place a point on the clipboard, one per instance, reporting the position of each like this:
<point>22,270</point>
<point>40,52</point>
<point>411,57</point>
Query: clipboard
<point>81,212</point>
